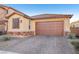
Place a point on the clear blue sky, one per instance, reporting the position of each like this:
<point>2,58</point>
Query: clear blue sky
<point>35,9</point>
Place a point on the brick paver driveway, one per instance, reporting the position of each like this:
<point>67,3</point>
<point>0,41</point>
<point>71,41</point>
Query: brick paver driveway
<point>38,45</point>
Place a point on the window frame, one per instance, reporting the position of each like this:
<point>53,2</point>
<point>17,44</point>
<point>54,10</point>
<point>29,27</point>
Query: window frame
<point>15,23</point>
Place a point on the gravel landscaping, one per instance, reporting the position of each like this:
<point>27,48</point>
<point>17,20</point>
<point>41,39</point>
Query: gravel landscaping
<point>38,45</point>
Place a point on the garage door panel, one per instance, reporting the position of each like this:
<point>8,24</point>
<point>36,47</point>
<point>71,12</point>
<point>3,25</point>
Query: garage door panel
<point>49,28</point>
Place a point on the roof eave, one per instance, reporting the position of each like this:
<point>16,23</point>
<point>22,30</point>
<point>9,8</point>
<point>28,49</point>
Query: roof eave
<point>18,14</point>
<point>50,18</point>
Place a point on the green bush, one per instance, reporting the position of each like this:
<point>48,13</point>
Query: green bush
<point>72,36</point>
<point>6,38</point>
<point>76,45</point>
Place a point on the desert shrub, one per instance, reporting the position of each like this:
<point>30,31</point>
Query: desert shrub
<point>71,36</point>
<point>4,38</point>
<point>76,45</point>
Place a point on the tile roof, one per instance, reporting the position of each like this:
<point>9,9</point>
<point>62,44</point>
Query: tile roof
<point>18,12</point>
<point>44,16</point>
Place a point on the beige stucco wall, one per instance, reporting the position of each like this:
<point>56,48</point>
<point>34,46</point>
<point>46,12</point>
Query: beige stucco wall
<point>10,11</point>
<point>24,24</point>
<point>2,13</point>
<point>66,23</point>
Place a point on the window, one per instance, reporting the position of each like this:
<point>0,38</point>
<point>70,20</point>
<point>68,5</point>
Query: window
<point>6,11</point>
<point>16,23</point>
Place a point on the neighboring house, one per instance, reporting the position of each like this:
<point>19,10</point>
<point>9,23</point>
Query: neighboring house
<point>75,24</point>
<point>75,27</point>
<point>19,23</point>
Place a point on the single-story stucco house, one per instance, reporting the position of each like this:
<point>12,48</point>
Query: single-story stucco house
<point>15,23</point>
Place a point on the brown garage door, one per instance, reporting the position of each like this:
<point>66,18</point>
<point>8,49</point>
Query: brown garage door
<point>50,28</point>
